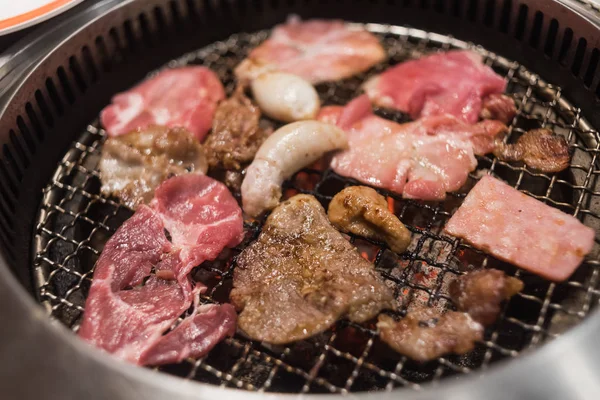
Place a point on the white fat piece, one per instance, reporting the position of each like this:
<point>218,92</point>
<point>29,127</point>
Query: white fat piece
<point>291,148</point>
<point>285,97</point>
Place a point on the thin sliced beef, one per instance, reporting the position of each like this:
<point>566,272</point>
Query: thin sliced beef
<point>182,97</point>
<point>302,275</point>
<point>316,50</point>
<point>134,164</point>
<point>122,317</point>
<point>201,215</point>
<point>521,230</point>
<point>453,82</point>
<point>141,284</point>
<point>423,160</point>
<point>195,336</point>
<point>479,293</point>
<point>426,334</point>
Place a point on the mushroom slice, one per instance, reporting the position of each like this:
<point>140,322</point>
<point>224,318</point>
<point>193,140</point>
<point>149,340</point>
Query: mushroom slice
<point>362,211</point>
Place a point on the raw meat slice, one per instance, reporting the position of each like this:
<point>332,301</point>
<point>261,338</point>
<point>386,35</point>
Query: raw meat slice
<point>423,160</point>
<point>141,284</point>
<point>195,336</point>
<point>521,230</point>
<point>183,97</point>
<point>201,216</point>
<point>316,50</point>
<point>120,318</point>
<point>301,275</point>
<point>453,82</point>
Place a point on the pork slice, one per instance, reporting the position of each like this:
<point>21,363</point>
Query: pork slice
<point>316,50</point>
<point>301,275</point>
<point>201,216</point>
<point>183,97</point>
<point>141,284</point>
<point>423,160</point>
<point>452,82</point>
<point>195,336</point>
<point>121,317</point>
<point>521,230</point>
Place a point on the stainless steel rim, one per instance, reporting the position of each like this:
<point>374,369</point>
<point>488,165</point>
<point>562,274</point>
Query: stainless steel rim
<point>558,369</point>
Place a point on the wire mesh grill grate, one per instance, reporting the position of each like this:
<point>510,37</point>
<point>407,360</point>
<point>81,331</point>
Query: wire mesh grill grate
<point>74,223</point>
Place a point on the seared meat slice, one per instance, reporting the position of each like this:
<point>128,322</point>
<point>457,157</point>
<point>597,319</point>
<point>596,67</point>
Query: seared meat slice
<point>364,212</point>
<point>134,164</point>
<point>539,149</point>
<point>426,334</point>
<point>480,293</point>
<point>236,134</point>
<point>301,275</point>
<point>499,107</point>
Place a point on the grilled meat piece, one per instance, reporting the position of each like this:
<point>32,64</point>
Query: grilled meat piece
<point>236,135</point>
<point>480,293</point>
<point>364,212</point>
<point>539,149</point>
<point>425,334</point>
<point>499,107</point>
<point>134,164</point>
<point>302,275</point>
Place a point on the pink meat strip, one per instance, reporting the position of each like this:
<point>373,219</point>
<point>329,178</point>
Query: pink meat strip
<point>453,82</point>
<point>183,97</point>
<point>128,319</point>
<point>317,50</point>
<point>521,230</point>
<point>195,336</point>
<point>423,160</point>
<point>200,215</point>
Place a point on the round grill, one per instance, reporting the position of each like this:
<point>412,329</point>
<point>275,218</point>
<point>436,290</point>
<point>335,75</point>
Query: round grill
<point>74,222</point>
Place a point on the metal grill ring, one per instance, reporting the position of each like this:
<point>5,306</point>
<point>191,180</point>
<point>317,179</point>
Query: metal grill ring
<point>75,221</point>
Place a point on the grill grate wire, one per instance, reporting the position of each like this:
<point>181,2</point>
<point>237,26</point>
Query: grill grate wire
<point>74,222</point>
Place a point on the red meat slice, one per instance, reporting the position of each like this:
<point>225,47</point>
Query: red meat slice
<point>317,50</point>
<point>201,216</point>
<point>130,306</point>
<point>119,318</point>
<point>184,97</point>
<point>195,336</point>
<point>453,82</point>
<point>521,230</point>
<point>423,160</point>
